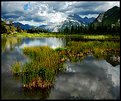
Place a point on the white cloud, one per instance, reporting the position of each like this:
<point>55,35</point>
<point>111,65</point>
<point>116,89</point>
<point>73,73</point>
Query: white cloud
<point>54,12</point>
<point>32,23</point>
<point>107,5</point>
<point>12,6</point>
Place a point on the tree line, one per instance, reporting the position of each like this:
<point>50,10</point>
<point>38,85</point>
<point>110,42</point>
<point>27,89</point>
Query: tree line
<point>37,30</point>
<point>92,29</point>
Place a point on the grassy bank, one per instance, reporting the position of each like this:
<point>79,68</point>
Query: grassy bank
<point>89,36</point>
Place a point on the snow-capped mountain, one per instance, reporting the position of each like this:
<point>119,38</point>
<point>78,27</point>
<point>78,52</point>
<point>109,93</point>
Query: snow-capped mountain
<point>84,20</point>
<point>69,23</point>
<point>75,21</point>
<point>72,20</point>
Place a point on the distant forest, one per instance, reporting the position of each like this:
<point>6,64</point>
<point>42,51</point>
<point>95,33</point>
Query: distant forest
<point>93,29</point>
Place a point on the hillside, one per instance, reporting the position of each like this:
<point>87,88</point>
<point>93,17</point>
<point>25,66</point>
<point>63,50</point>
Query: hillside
<point>8,27</point>
<point>109,18</point>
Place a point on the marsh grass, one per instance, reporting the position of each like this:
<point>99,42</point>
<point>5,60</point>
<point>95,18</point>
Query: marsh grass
<point>45,62</point>
<point>97,48</point>
<point>75,51</point>
<point>43,67</point>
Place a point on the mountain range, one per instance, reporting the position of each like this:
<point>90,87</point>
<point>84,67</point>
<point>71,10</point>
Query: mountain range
<point>111,16</point>
<point>22,26</point>
<point>78,18</point>
<point>71,20</point>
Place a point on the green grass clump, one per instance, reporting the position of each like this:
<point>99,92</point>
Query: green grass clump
<point>16,68</point>
<point>78,50</point>
<point>43,67</point>
<point>99,49</point>
<point>43,56</point>
<point>41,70</point>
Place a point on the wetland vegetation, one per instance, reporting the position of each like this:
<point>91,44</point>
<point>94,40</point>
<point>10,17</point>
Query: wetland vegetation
<point>45,63</point>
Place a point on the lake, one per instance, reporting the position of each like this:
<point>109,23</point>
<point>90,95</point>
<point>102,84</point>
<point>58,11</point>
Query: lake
<point>86,79</point>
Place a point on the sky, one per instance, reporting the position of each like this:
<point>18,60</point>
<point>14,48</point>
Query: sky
<point>51,13</point>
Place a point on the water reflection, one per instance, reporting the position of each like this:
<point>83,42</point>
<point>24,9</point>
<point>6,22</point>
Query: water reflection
<point>9,43</point>
<point>37,93</point>
<point>90,79</point>
<point>51,42</point>
<point>11,86</point>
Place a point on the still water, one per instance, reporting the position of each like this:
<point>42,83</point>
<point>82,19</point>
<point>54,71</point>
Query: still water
<point>88,79</point>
